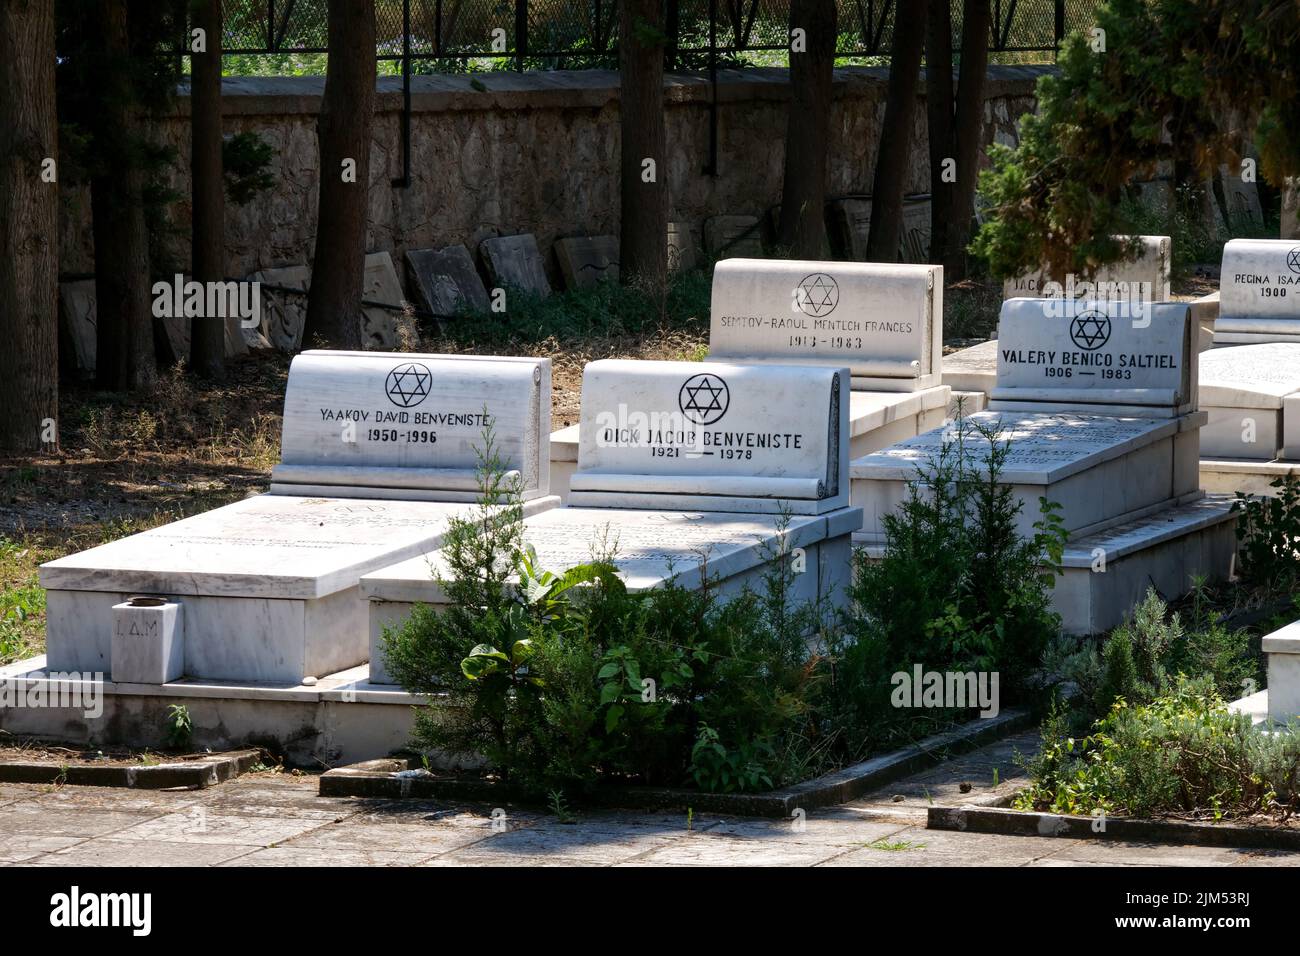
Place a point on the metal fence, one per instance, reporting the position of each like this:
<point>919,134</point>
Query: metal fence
<point>577,33</point>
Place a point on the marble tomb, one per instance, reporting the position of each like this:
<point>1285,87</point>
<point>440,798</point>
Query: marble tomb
<point>1101,413</point>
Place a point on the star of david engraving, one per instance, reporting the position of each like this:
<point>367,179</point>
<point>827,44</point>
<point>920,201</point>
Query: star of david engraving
<point>1293,260</point>
<point>704,398</point>
<point>1090,331</point>
<point>817,295</point>
<point>408,385</point>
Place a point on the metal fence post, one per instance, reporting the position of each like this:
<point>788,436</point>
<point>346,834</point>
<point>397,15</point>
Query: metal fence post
<point>521,33</point>
<point>712,168</point>
<point>404,181</point>
<point>1058,28</point>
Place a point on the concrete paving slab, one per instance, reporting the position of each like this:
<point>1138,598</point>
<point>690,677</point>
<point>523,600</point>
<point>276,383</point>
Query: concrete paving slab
<point>218,827</point>
<point>110,852</point>
<point>325,856</point>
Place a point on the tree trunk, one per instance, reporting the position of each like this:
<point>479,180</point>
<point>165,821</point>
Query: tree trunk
<point>975,35</point>
<point>343,130</point>
<point>939,104</point>
<point>207,333</point>
<point>643,230</point>
<point>803,192</point>
<point>896,137</point>
<point>29,231</point>
<point>124,335</point>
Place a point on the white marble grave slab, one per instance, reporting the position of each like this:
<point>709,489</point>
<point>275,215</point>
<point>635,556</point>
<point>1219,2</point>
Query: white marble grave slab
<point>1147,276</point>
<point>1083,355</point>
<point>407,424</point>
<point>972,369</point>
<point>1259,292</point>
<point>883,321</point>
<point>1250,376</point>
<point>713,436</point>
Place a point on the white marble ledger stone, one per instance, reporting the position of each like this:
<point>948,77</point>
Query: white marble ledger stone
<point>1283,650</point>
<point>883,321</point>
<point>1077,354</point>
<point>411,421</point>
<point>712,436</point>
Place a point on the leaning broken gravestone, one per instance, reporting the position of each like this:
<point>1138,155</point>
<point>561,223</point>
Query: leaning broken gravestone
<point>1250,380</point>
<point>851,229</point>
<point>515,262</point>
<point>685,470</point>
<point>884,322</point>
<point>586,260</point>
<point>445,281</point>
<point>727,237</point>
<point>1100,410</point>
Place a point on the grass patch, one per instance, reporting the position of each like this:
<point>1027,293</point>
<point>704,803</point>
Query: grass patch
<point>893,846</point>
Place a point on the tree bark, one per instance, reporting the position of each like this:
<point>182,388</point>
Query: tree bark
<point>643,228</point>
<point>124,334</point>
<point>895,147</point>
<point>208,198</point>
<point>975,34</point>
<point>29,266</point>
<point>802,230</point>
<point>938,105</point>
<point>343,130</point>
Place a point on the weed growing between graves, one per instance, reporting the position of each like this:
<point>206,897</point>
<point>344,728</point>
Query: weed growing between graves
<point>1182,753</point>
<point>562,681</point>
<point>1268,532</point>
<point>957,588</point>
<point>1144,658</point>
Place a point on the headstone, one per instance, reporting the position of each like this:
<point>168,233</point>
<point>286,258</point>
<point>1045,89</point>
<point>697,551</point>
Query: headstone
<point>586,261</point>
<point>515,262</point>
<point>733,237</point>
<point>409,425</point>
<point>681,247</point>
<point>1290,225</point>
<point>882,321</point>
<point>284,313</point>
<point>1259,292</point>
<point>1242,199</point>
<point>718,437</point>
<point>1282,648</point>
<point>445,281</point>
<point>851,227</point>
<point>1094,355</point>
<point>380,326</point>
<point>77,325</point>
<point>1148,276</point>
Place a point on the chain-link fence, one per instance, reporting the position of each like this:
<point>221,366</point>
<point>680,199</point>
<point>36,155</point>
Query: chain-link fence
<point>574,33</point>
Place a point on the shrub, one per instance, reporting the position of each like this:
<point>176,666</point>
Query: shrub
<point>1183,752</point>
<point>957,587</point>
<point>1269,535</point>
<point>561,681</point>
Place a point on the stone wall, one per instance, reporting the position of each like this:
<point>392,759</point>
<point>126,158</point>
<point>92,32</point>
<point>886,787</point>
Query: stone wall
<point>503,153</point>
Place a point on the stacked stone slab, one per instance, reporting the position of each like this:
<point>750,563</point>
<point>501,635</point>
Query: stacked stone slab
<point>687,472</point>
<point>973,371</point>
<point>883,321</point>
<point>1100,409</point>
<point>1250,380</point>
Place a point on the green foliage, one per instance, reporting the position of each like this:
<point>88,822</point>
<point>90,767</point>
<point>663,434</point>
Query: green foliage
<point>1182,752</point>
<point>180,727</point>
<point>957,588</point>
<point>1142,659</point>
<point>245,158</point>
<point>1171,73</point>
<point>1268,534</point>
<point>561,681</point>
<point>603,309</point>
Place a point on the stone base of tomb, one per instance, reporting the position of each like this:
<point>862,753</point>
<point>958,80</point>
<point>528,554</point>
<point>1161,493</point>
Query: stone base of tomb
<point>652,548</point>
<point>340,719</point>
<point>1106,573</point>
<point>876,420</point>
<point>1227,476</point>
